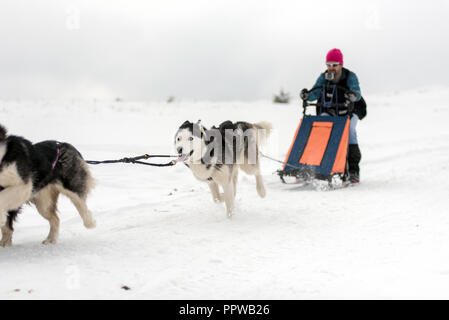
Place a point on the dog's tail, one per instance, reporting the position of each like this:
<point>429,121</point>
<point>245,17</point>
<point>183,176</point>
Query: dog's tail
<point>263,131</point>
<point>2,133</point>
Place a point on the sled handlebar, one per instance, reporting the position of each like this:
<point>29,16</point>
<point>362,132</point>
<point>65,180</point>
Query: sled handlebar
<point>321,87</point>
<point>347,104</point>
<point>337,106</point>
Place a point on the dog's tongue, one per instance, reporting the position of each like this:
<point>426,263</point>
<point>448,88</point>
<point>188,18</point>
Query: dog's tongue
<point>182,158</point>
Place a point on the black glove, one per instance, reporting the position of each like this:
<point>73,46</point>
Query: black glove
<point>304,94</point>
<point>351,96</point>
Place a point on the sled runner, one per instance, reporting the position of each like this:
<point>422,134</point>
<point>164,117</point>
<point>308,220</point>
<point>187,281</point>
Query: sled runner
<point>320,145</point>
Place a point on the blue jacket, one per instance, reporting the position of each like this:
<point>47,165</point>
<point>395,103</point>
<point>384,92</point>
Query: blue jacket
<point>352,82</point>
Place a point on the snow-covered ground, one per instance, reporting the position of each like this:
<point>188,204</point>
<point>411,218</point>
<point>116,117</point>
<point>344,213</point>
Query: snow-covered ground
<point>159,233</point>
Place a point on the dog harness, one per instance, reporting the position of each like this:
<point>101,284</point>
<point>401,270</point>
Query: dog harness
<point>58,153</point>
<point>1,188</point>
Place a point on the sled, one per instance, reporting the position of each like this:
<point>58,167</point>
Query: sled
<point>320,144</point>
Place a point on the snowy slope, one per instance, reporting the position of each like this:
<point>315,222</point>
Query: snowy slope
<point>159,233</point>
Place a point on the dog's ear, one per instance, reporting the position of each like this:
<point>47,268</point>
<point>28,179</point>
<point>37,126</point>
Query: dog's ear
<point>2,133</point>
<point>203,129</point>
<point>186,124</point>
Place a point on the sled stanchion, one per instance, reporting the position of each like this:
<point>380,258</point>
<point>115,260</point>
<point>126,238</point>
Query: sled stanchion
<point>135,160</point>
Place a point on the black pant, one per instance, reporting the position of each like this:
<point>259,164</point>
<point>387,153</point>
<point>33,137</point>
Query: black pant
<point>354,157</point>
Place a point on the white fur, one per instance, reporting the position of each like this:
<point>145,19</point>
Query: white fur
<point>226,176</point>
<point>16,190</point>
<point>16,193</point>
<point>189,142</point>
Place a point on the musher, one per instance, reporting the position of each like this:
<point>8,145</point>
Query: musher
<point>337,75</point>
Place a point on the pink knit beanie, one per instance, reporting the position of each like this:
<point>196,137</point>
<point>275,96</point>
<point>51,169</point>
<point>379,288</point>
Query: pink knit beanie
<point>334,55</point>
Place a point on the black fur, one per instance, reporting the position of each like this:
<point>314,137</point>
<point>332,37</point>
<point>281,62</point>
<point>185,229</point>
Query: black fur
<point>67,170</point>
<point>2,133</point>
<point>35,162</point>
<point>12,216</point>
<point>209,135</point>
<point>191,126</point>
<point>19,150</point>
<point>234,144</point>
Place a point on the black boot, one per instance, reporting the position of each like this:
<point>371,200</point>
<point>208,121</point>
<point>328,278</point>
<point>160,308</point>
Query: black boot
<point>354,157</point>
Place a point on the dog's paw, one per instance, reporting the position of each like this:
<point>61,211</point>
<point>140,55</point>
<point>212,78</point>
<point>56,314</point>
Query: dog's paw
<point>6,240</point>
<point>220,198</point>
<point>90,224</point>
<point>229,213</point>
<point>5,243</point>
<point>49,241</point>
<point>261,192</point>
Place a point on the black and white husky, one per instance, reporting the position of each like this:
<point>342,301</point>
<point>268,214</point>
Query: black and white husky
<point>215,155</point>
<point>38,173</point>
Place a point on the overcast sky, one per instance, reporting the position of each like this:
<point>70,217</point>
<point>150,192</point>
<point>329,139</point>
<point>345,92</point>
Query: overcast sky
<point>217,50</point>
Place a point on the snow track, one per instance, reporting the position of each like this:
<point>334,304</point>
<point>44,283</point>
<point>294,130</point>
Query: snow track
<point>159,232</point>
